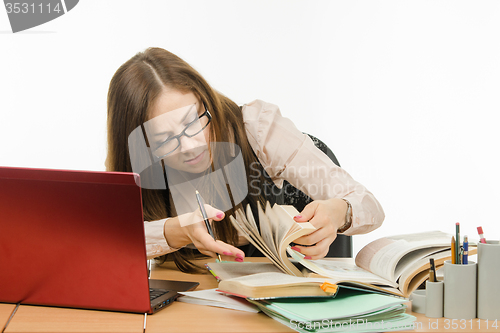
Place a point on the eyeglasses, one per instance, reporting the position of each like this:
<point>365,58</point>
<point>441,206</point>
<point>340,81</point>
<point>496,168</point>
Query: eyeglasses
<point>193,128</point>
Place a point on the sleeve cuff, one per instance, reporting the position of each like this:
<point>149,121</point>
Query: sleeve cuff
<point>367,214</point>
<point>156,244</point>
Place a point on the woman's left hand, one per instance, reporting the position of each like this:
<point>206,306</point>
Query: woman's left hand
<point>327,216</point>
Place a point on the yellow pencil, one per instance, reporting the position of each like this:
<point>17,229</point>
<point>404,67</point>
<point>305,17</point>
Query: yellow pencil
<point>453,253</point>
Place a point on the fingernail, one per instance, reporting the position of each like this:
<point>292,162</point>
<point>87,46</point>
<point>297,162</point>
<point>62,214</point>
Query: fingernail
<point>220,215</point>
<point>307,257</point>
<point>239,256</point>
<point>227,253</point>
<point>295,248</point>
<point>297,217</point>
<point>239,259</point>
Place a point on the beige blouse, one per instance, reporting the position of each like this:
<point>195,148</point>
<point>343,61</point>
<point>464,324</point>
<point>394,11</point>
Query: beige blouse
<point>288,154</point>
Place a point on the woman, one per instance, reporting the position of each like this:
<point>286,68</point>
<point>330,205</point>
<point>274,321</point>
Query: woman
<point>157,96</point>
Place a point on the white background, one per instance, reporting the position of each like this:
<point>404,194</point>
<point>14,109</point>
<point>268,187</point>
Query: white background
<point>405,93</point>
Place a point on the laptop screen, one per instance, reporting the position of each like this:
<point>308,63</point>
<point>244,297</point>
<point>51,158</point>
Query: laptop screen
<point>72,238</point>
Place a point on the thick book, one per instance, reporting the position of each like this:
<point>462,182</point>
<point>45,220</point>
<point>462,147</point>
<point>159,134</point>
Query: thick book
<point>276,285</point>
<point>396,264</point>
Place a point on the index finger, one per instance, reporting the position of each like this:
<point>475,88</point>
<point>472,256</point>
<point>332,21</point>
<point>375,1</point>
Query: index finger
<point>204,241</point>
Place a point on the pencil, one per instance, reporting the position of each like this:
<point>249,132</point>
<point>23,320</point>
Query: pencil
<point>205,218</point>
<point>453,251</point>
<point>432,271</point>
<point>457,244</point>
<point>213,273</point>
<point>465,260</point>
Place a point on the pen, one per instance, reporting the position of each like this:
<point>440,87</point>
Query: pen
<point>457,244</point>
<point>453,250</point>
<point>481,236</point>
<point>465,260</point>
<point>205,218</point>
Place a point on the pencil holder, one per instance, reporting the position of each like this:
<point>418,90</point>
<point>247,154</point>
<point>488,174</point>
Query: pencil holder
<point>460,290</point>
<point>434,299</point>
<point>417,299</point>
<point>488,287</point>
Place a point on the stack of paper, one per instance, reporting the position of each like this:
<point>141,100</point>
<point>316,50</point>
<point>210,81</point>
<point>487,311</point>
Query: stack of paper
<point>211,297</point>
<point>350,311</point>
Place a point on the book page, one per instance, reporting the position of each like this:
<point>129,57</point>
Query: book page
<point>250,218</point>
<point>243,226</point>
<point>277,226</point>
<point>383,255</point>
<point>229,270</point>
<point>285,220</point>
<point>266,231</point>
<point>299,230</point>
<point>273,227</point>
<point>255,239</point>
<point>273,279</point>
<point>340,270</point>
<point>408,260</point>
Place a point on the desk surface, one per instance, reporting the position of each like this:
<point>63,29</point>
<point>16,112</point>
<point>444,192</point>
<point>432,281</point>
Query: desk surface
<point>180,317</point>
<point>5,312</point>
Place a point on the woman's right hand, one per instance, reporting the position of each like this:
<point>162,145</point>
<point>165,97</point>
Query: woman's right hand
<point>190,228</point>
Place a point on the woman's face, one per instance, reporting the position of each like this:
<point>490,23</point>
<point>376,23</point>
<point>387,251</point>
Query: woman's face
<point>172,112</point>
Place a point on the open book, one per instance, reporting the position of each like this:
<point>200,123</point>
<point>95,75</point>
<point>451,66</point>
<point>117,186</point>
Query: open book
<point>262,280</point>
<point>395,264</point>
<point>277,230</point>
<point>400,262</point>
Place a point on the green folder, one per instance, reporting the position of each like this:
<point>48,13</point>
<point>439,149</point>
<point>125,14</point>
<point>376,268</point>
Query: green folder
<point>397,323</point>
<point>351,310</point>
<point>348,303</point>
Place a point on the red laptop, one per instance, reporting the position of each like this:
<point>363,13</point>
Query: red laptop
<point>76,239</point>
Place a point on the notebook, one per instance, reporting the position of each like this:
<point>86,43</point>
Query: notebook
<point>76,239</point>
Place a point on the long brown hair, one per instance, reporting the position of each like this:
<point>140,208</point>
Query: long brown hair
<point>132,92</point>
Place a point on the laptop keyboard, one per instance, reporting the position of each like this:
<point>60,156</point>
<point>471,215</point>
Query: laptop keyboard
<point>154,293</point>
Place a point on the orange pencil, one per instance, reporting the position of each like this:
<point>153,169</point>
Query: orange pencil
<point>453,251</point>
